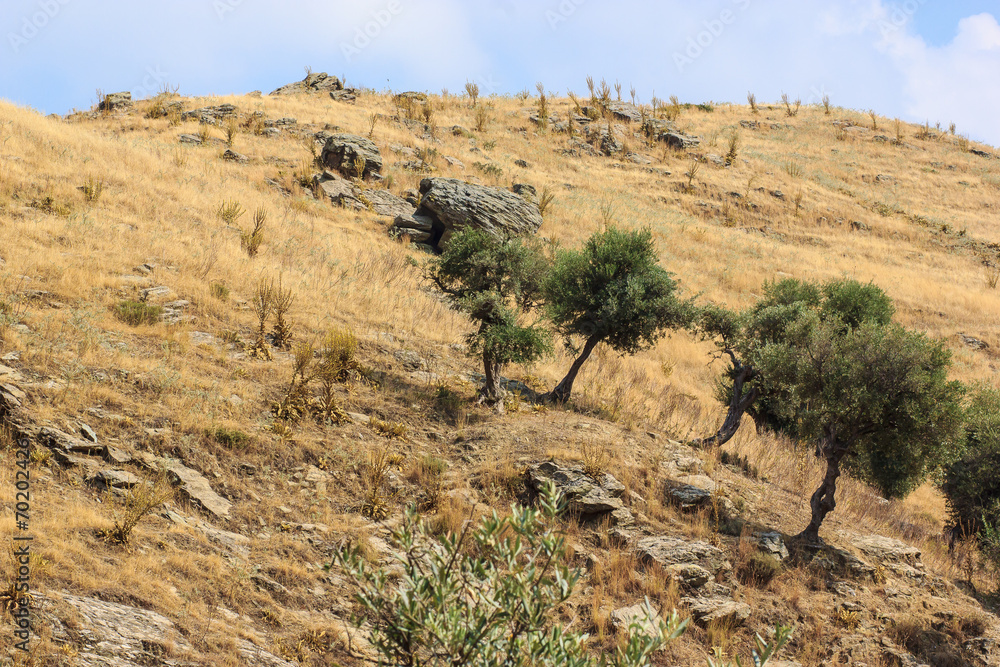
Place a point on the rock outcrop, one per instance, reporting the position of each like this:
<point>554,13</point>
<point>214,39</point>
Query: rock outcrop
<point>587,497</point>
<point>342,153</point>
<point>349,194</point>
<point>314,82</point>
<point>448,205</point>
<point>116,102</point>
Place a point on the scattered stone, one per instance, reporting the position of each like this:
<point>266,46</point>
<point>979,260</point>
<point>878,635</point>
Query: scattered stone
<point>772,544</point>
<point>981,153</point>
<point>411,360</point>
<point>451,205</point>
<point>523,164</point>
<point>233,542</point>
<point>88,433</point>
<point>199,338</point>
<point>625,111</point>
<point>974,343</point>
<point>156,293</point>
<point>586,497</point>
<point>313,83</point>
<point>343,150</point>
<point>718,611</point>
<point>667,551</point>
<point>349,95</point>
<point>777,194</point>
<point>254,656</point>
<point>116,102</point>
<point>750,124</point>
<point>679,141</point>
<point>349,194</point>
<point>689,575</point>
<point>62,443</point>
<point>887,550</point>
<point>692,493</point>
<point>232,156</point>
<point>191,483</point>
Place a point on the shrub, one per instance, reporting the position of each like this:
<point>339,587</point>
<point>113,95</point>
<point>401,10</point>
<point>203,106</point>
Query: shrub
<point>134,313</point>
<point>472,90</point>
<point>92,189</point>
<point>230,212</point>
<point>759,569</point>
<point>230,438</point>
<point>485,596</point>
<point>752,101</point>
<point>139,501</point>
<point>282,302</point>
<point>250,239</point>
<point>220,291</point>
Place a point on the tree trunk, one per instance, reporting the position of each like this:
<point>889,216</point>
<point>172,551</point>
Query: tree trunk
<point>823,501</point>
<point>738,405</point>
<point>492,393</point>
<point>563,390</point>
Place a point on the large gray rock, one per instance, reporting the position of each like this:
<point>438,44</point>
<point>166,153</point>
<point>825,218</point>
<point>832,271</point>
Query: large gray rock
<point>718,611</point>
<point>625,111</point>
<point>191,483</point>
<point>678,140</point>
<point>623,619</point>
<point>669,551</point>
<point>211,115</point>
<point>587,497</point>
<point>107,634</point>
<point>453,205</point>
<point>116,102</point>
<point>886,549</point>
<point>342,150</point>
<point>348,194</point>
<point>313,83</point>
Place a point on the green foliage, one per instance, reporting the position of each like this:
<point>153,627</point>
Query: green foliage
<point>759,569</point>
<point>485,597</point>
<point>828,362</point>
<point>614,290</point>
<point>134,313</point>
<point>229,437</point>
<point>971,484</point>
<point>497,281</point>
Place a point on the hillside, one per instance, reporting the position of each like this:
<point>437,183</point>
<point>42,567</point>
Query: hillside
<point>102,208</point>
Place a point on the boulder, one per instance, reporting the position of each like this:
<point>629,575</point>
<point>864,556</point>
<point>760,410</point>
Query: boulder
<point>689,575</point>
<point>116,102</point>
<point>668,551</point>
<point>343,150</point>
<point>655,127</point>
<point>452,205</point>
<point>108,634</point>
<point>678,140</point>
<point>113,479</point>
<point>690,496</point>
<point>211,115</point>
<point>587,497</point>
<point>718,611</point>
<point>348,194</point>
<point>605,142</point>
<point>233,156</point>
<point>887,550</point>
<point>772,544</point>
<point>348,95</point>
<point>623,619</point>
<point>313,83</point>
<point>625,111</point>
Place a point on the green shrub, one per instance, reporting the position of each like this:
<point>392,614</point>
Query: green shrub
<point>758,570</point>
<point>485,597</point>
<point>220,291</point>
<point>134,313</point>
<point>230,438</point>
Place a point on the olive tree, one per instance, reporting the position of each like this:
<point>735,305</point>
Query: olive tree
<point>971,484</point>
<point>826,364</point>
<point>497,281</point>
<point>611,291</point>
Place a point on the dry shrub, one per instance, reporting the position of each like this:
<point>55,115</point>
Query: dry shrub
<point>137,502</point>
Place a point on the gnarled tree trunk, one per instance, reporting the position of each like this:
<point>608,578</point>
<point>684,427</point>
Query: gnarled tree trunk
<point>739,403</point>
<point>492,393</point>
<point>823,501</point>
<point>563,390</point>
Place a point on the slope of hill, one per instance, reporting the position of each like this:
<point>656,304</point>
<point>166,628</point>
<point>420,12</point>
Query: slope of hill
<point>109,216</point>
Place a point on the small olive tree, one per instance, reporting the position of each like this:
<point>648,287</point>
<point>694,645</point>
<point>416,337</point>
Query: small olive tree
<point>487,596</point>
<point>497,281</point>
<point>612,291</point>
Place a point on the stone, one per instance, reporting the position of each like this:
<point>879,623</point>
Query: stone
<point>314,82</point>
<point>718,611</point>
<point>678,140</point>
<point>160,293</point>
<point>625,111</point>
<point>606,142</point>
<point>254,656</point>
<point>750,124</point>
<point>113,479</point>
<point>266,583</point>
<point>625,618</point>
<point>455,162</point>
<point>773,544</point>
<point>213,115</point>
<point>63,443</point>
<point>191,483</point>
<point>974,343</point>
<point>116,102</point>
<point>199,338</point>
<point>887,550</point>
<point>452,205</point>
<point>108,634</point>
<point>88,433</point>
<point>346,193</point>
<point>667,551</point>
<point>586,497</point>
<point>410,360</point>
<point>691,496</point>
<point>232,542</point>
<point>349,95</point>
<point>657,127</point>
<point>342,150</point>
<point>189,139</point>
<point>232,156</point>
<point>689,575</point>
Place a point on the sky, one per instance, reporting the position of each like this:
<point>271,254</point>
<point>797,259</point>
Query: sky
<point>920,60</point>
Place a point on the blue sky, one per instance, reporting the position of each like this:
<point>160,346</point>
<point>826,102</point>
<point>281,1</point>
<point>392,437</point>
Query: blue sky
<point>916,59</point>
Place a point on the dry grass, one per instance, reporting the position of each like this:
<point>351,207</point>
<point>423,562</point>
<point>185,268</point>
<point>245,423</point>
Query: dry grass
<point>158,203</point>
